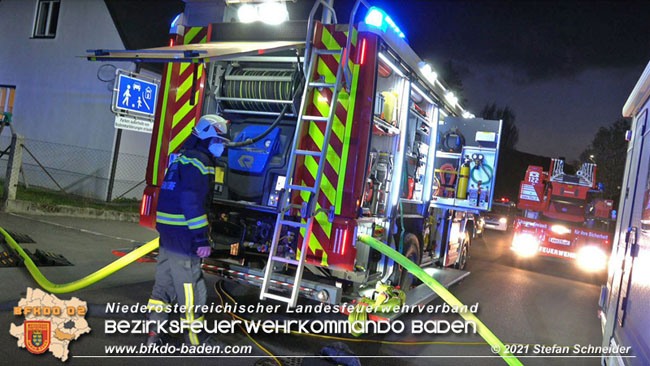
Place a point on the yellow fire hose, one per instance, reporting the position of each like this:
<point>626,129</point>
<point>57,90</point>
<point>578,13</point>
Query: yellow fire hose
<point>441,291</point>
<point>83,282</point>
<point>122,262</point>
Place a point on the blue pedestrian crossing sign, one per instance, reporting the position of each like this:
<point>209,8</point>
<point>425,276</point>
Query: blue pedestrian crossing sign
<point>135,96</point>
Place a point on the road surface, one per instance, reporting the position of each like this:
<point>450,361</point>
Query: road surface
<point>543,303</point>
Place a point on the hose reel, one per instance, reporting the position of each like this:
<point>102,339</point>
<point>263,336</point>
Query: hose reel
<point>259,89</point>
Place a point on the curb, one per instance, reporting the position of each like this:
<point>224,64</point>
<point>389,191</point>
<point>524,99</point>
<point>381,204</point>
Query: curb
<point>35,208</point>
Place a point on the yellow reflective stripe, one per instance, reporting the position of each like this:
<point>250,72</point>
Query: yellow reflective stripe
<point>157,305</point>
<point>191,33</point>
<point>184,87</point>
<point>189,308</point>
<point>181,136</point>
<point>325,185</point>
<point>157,302</point>
<point>182,68</point>
<point>171,216</point>
<point>170,222</point>
<point>179,220</point>
<point>346,140</point>
<point>198,218</point>
<point>318,137</point>
<point>197,163</point>
<point>197,226</point>
<point>329,41</point>
<point>182,112</point>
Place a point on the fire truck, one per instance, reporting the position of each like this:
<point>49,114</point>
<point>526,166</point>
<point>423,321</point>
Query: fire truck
<point>337,130</point>
<point>563,217</point>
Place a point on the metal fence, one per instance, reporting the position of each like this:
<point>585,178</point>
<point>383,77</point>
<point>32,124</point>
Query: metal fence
<point>75,170</point>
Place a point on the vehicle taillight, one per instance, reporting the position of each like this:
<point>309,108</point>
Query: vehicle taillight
<point>148,206</point>
<point>145,207</point>
<point>362,58</point>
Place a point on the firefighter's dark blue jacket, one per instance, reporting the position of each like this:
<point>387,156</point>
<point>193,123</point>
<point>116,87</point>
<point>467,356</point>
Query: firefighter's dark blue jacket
<point>184,200</point>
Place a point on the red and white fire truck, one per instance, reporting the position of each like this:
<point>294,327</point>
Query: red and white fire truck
<point>562,217</point>
<point>338,131</point>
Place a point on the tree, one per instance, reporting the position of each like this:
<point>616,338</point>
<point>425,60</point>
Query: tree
<point>509,131</point>
<point>608,150</point>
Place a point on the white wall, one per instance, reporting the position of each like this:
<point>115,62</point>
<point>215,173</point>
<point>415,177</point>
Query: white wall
<point>59,98</point>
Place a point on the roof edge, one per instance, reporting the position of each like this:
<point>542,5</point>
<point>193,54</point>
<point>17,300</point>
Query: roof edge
<point>639,94</point>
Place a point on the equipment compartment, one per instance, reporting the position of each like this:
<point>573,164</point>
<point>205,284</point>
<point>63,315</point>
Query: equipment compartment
<point>466,163</point>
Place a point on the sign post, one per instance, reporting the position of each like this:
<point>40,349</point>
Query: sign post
<point>134,105</point>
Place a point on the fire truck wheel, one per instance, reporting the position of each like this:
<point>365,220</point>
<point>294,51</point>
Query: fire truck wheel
<point>464,255</point>
<point>412,252</point>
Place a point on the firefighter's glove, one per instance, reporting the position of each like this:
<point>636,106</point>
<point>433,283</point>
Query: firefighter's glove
<point>203,252</point>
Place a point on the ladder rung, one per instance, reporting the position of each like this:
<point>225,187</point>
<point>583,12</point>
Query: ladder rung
<point>301,188</point>
<point>293,223</point>
<point>328,52</point>
<point>318,84</point>
<point>314,118</point>
<point>308,152</point>
<point>285,260</point>
<point>276,297</point>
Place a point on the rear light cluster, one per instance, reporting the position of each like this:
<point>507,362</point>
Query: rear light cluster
<point>145,207</point>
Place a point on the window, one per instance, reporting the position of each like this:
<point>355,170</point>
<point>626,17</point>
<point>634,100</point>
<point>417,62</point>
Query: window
<point>47,18</point>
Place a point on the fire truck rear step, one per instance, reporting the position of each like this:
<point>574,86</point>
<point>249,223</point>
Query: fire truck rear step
<point>278,282</point>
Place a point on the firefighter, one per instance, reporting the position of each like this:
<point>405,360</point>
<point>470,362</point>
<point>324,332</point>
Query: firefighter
<point>182,223</point>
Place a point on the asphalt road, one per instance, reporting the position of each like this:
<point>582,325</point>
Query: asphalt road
<point>533,303</point>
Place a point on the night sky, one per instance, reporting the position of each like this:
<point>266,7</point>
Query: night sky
<point>565,68</point>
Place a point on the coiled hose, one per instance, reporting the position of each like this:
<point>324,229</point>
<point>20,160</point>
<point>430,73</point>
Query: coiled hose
<point>297,84</point>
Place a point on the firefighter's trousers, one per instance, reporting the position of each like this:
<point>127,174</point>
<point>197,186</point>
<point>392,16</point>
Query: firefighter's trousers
<point>179,279</point>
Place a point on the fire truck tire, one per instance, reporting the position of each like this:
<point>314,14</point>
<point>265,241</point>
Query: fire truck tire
<point>412,252</point>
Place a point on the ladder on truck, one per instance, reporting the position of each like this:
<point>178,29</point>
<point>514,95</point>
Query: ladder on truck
<point>290,186</point>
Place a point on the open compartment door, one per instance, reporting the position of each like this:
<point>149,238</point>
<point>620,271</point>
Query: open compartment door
<point>195,52</point>
<point>466,156</point>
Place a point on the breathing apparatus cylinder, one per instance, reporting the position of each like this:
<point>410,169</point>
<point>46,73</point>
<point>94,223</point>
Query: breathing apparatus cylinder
<point>463,180</point>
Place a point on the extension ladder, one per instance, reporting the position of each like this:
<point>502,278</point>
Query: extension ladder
<point>284,206</point>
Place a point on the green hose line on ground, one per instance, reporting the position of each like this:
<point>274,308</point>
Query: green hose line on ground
<point>449,298</point>
<point>83,282</point>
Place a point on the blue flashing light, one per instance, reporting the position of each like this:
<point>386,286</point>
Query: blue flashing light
<point>176,20</point>
<point>375,17</point>
<point>379,19</point>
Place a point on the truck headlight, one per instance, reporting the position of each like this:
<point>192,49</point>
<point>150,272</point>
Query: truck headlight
<point>525,245</point>
<point>592,258</point>
<point>503,220</point>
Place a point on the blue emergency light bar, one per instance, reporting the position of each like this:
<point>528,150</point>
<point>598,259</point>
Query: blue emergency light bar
<point>379,19</point>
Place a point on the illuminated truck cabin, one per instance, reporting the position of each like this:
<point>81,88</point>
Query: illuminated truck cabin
<point>380,115</point>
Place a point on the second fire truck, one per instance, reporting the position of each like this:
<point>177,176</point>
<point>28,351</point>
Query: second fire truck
<point>562,217</point>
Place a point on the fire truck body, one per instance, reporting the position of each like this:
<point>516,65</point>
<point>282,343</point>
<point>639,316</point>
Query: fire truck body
<point>558,221</point>
<point>286,203</point>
